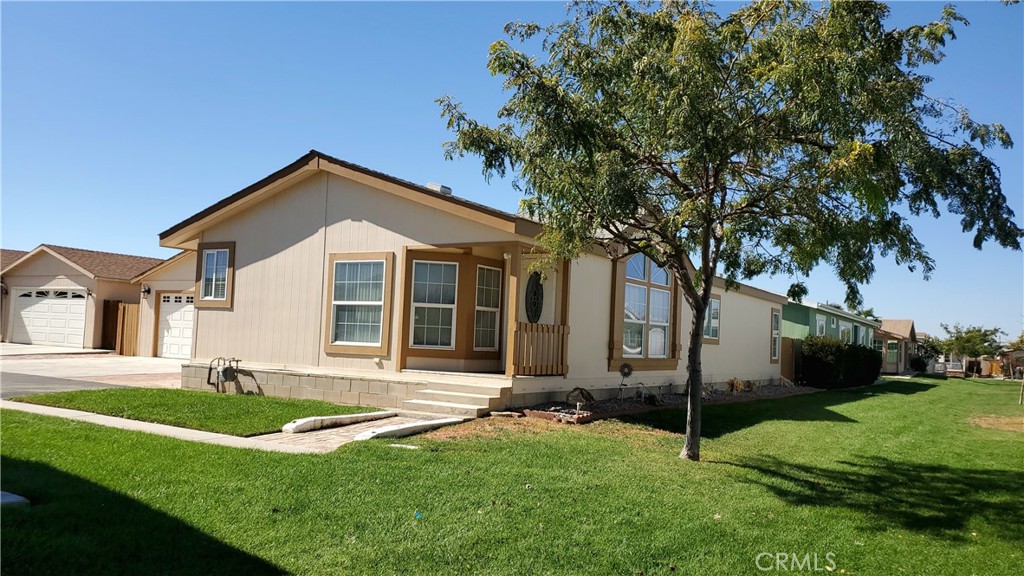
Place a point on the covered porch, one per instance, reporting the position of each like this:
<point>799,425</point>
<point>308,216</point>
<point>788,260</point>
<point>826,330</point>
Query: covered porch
<point>482,309</point>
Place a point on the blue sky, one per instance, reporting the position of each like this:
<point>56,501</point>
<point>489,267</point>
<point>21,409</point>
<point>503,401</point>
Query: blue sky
<point>121,119</point>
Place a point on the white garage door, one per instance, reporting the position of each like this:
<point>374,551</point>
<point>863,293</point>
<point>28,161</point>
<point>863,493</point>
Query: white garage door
<point>53,317</point>
<point>176,317</point>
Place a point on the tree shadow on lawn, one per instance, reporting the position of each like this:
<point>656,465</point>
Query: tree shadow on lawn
<point>75,526</point>
<point>722,419</point>
<point>932,499</point>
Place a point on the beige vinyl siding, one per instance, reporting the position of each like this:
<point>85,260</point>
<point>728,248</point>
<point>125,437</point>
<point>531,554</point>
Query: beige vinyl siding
<point>177,277</point>
<point>282,249</point>
<point>745,348</point>
<point>744,351</point>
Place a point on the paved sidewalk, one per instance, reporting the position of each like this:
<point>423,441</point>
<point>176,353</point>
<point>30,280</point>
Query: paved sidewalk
<point>160,429</point>
<point>330,439</point>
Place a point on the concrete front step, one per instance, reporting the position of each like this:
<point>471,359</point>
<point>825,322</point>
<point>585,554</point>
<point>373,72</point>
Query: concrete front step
<point>482,400</point>
<point>483,389</point>
<point>449,408</point>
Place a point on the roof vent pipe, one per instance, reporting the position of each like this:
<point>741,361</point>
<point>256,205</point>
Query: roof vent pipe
<point>439,188</point>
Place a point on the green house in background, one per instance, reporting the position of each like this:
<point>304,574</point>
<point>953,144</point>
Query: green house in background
<point>800,320</point>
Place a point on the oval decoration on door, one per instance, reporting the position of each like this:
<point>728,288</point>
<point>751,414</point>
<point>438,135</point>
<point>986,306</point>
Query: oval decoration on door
<point>534,298</point>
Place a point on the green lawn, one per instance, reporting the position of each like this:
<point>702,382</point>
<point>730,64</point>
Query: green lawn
<point>238,415</point>
<point>890,480</point>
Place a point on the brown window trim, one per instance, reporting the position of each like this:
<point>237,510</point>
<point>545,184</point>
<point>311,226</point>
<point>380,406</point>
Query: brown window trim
<point>465,307</point>
<point>229,292</point>
<point>385,325</point>
<point>708,339</point>
<point>674,347</point>
<point>771,336</point>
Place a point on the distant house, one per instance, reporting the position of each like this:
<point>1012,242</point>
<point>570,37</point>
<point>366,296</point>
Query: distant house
<point>807,318</point>
<point>54,295</point>
<point>333,281</point>
<point>897,341</point>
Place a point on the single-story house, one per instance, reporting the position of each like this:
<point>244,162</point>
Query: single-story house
<point>329,280</point>
<point>6,257</point>
<point>166,311</point>
<point>807,318</point>
<point>54,295</point>
<point>897,341</point>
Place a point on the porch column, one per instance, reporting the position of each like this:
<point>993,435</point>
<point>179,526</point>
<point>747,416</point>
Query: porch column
<point>514,263</point>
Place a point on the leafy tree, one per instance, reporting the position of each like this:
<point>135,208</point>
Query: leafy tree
<point>1017,344</point>
<point>930,348</point>
<point>972,341</point>
<point>868,313</point>
<point>769,140</point>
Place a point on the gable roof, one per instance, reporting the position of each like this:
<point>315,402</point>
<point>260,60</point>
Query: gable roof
<point>902,328</point>
<point>161,265</point>
<point>93,263</point>
<point>315,160</point>
<point>10,256</point>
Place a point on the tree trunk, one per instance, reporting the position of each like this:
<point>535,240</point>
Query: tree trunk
<point>695,390</point>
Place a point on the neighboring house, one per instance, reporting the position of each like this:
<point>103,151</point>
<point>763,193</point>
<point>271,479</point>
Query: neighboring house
<point>6,257</point>
<point>897,341</point>
<point>166,311</point>
<point>329,280</point>
<point>55,294</point>
<point>800,320</point>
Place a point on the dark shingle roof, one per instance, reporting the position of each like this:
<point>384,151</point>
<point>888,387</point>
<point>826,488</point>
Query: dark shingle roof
<point>106,264</point>
<point>9,256</point>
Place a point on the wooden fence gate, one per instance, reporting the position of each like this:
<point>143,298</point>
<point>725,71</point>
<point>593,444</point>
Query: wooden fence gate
<point>791,356</point>
<point>120,327</point>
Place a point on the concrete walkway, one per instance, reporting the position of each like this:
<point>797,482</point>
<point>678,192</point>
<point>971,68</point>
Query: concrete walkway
<point>160,429</point>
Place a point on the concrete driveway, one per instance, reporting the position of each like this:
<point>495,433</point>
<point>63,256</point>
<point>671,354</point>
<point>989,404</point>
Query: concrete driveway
<point>37,369</point>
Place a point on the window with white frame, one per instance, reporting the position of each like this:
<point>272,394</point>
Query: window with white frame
<point>488,308</point>
<point>821,326</point>
<point>846,332</point>
<point>892,352</point>
<point>433,304</point>
<point>647,310</point>
<point>712,318</point>
<point>215,274</point>
<point>357,302</point>
<point>776,345</point>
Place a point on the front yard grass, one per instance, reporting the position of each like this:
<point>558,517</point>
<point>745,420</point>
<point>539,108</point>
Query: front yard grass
<point>237,415</point>
<point>891,479</point>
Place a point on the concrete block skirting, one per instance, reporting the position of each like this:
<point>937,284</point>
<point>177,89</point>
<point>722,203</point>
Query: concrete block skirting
<point>533,398</point>
<point>340,389</point>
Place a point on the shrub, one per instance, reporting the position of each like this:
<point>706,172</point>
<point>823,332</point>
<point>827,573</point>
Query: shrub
<point>822,363</point>
<point>828,362</point>
<point>918,364</point>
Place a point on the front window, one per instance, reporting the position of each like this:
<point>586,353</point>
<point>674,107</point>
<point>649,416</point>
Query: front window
<point>358,302</point>
<point>488,307</point>
<point>892,353</point>
<point>776,335</point>
<point>821,326</point>
<point>846,332</point>
<point>215,274</point>
<point>647,310</point>
<point>877,344</point>
<point>433,304</point>
<point>712,319</point>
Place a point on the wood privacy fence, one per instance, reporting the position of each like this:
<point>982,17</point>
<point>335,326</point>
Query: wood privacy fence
<point>791,356</point>
<point>120,327</point>
<point>540,349</point>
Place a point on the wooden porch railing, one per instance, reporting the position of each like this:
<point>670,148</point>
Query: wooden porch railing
<point>540,349</point>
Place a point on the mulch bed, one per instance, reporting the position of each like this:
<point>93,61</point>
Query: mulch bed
<point>614,407</point>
